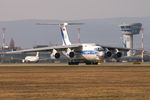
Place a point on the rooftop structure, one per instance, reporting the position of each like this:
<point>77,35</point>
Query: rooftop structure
<point>128,30</point>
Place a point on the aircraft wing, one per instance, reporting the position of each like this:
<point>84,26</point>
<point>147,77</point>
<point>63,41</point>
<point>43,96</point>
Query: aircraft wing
<point>114,48</point>
<point>76,47</point>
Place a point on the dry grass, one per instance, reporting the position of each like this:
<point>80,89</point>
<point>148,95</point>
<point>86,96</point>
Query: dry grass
<point>62,82</point>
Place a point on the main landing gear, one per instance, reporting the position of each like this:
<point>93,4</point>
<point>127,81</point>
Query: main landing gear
<point>91,63</point>
<point>73,63</point>
<point>86,62</point>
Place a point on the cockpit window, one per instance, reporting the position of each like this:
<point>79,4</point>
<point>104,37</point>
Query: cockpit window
<point>99,49</point>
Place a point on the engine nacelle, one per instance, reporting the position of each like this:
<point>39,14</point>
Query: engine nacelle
<point>55,54</point>
<point>118,54</point>
<point>70,53</point>
<point>108,53</point>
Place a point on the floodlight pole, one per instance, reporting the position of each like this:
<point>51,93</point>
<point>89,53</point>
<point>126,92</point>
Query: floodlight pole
<point>78,35</point>
<point>4,30</point>
<point>142,54</point>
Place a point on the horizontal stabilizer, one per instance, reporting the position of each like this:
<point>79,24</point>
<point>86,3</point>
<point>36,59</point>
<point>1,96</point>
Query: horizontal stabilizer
<point>61,24</point>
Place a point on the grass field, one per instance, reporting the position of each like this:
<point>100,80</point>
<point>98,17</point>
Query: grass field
<point>122,81</point>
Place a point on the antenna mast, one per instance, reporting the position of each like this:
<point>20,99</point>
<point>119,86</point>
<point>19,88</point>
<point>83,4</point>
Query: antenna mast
<point>4,30</point>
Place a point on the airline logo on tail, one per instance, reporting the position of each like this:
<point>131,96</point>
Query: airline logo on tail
<point>64,34</point>
<point>65,37</point>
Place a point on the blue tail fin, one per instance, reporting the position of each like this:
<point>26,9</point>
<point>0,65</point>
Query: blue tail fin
<point>65,38</point>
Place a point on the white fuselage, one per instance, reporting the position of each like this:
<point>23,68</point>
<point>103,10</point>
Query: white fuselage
<point>31,59</point>
<point>92,52</point>
<point>89,52</point>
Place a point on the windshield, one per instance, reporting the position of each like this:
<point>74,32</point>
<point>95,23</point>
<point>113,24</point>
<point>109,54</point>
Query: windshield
<point>99,49</point>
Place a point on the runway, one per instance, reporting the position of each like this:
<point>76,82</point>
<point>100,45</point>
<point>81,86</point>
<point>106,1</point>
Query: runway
<point>108,81</point>
<point>80,65</point>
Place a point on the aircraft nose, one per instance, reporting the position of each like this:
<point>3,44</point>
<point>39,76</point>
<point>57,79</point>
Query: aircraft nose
<point>101,54</point>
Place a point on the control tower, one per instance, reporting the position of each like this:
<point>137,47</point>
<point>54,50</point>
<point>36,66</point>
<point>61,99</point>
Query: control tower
<point>128,30</point>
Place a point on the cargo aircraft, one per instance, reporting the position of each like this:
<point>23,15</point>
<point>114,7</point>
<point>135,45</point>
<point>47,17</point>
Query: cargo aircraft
<point>88,53</point>
<point>30,59</point>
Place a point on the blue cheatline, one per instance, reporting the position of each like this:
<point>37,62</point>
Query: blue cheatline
<point>89,52</point>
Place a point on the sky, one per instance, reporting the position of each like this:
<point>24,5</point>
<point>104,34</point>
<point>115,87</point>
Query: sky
<point>11,10</point>
<point>65,10</point>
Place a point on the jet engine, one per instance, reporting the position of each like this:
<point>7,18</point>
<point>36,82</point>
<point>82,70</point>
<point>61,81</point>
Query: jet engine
<point>108,53</point>
<point>70,53</point>
<point>117,54</point>
<point>55,54</point>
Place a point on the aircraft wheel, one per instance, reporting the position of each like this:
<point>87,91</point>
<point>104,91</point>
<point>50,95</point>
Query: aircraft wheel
<point>73,63</point>
<point>95,63</point>
<point>88,63</point>
<point>91,63</point>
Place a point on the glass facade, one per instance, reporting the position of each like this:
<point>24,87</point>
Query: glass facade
<point>131,28</point>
